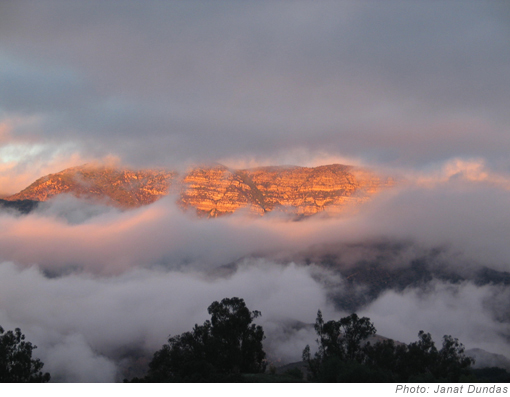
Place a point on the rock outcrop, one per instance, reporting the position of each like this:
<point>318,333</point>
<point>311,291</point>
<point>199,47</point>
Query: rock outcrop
<point>299,190</point>
<point>217,190</point>
<point>121,187</point>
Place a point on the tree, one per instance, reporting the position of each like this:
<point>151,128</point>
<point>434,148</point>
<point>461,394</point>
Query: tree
<point>342,338</point>
<point>223,347</point>
<point>420,361</point>
<point>453,362</point>
<point>385,355</point>
<point>239,341</point>
<point>354,330</point>
<point>339,342</point>
<point>343,356</point>
<point>16,363</point>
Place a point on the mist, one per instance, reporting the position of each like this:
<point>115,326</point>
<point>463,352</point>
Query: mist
<point>99,290</point>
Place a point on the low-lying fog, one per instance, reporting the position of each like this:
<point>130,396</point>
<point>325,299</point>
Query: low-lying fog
<point>99,290</point>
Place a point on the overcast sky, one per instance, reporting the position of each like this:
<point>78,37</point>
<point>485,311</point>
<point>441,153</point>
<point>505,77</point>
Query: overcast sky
<point>393,83</point>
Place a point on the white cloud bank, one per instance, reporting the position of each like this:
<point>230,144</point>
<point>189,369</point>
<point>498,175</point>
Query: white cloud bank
<point>126,280</point>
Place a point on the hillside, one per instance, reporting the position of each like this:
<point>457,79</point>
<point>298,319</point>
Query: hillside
<point>121,187</point>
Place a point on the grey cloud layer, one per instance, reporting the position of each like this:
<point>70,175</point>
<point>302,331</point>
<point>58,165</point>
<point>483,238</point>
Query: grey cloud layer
<point>406,83</point>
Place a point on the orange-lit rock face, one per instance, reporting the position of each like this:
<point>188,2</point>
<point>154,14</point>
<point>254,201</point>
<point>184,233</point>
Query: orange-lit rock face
<point>213,191</point>
<point>296,190</point>
<point>217,190</point>
<point>124,188</point>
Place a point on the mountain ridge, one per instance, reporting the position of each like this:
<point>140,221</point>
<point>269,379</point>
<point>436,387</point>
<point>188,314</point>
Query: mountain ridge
<point>216,190</point>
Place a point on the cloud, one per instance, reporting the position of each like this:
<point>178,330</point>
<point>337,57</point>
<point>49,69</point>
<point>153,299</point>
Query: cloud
<point>465,311</point>
<point>464,215</point>
<point>23,163</point>
<point>168,83</point>
<point>25,157</point>
<point>474,170</point>
<point>111,285</point>
<point>82,325</point>
<point>72,360</point>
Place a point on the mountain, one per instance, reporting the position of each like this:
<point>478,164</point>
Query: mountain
<point>217,190</point>
<point>121,187</point>
<point>299,190</point>
<point>487,359</point>
<point>22,206</point>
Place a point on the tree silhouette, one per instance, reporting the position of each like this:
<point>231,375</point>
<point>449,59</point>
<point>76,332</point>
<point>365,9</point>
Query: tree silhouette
<point>453,362</point>
<point>420,361</point>
<point>16,362</point>
<point>223,347</point>
<point>338,342</point>
<point>344,355</point>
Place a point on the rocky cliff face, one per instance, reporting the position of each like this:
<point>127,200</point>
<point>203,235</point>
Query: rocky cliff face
<point>217,190</point>
<point>298,190</point>
<point>121,187</point>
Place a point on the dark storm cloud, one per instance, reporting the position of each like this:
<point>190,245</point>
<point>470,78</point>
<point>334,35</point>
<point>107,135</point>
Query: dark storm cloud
<point>166,82</point>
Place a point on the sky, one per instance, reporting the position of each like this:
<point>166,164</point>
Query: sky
<point>416,89</point>
<point>398,83</point>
